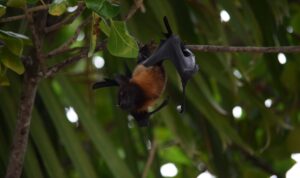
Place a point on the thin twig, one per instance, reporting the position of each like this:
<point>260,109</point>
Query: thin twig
<point>30,10</point>
<point>12,18</point>
<point>249,49</point>
<point>35,36</point>
<point>138,4</point>
<point>37,39</point>
<point>66,45</point>
<point>81,55</point>
<point>67,20</point>
<point>57,67</point>
<point>142,8</point>
<point>66,50</point>
<point>150,159</point>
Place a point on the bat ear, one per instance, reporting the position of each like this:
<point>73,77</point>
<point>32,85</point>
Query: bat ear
<point>144,53</point>
<point>122,80</point>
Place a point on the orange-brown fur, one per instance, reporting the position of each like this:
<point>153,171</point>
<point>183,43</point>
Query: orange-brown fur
<point>152,81</point>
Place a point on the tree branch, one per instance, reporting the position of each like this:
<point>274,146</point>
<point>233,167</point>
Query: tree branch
<point>37,41</point>
<point>203,48</point>
<point>67,20</point>
<point>20,139</point>
<point>57,67</point>
<point>66,46</point>
<point>30,84</point>
<point>150,158</point>
<point>82,54</point>
<point>30,10</point>
<point>65,50</point>
<point>137,4</point>
<point>249,49</point>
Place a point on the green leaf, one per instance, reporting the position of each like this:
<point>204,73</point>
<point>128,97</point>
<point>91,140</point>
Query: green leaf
<point>13,45</point>
<point>67,134</point>
<point>32,1</point>
<point>295,22</point>
<point>162,134</point>
<point>12,61</point>
<point>14,35</point>
<point>289,76</point>
<point>4,80</point>
<point>97,133</point>
<point>2,10</point>
<point>16,3</point>
<point>283,165</point>
<point>105,27</point>
<point>45,148</point>
<point>103,8</point>
<point>109,10</point>
<point>72,2</point>
<point>174,154</point>
<point>293,143</point>
<point>95,5</point>
<point>57,8</point>
<point>120,43</point>
<point>250,172</point>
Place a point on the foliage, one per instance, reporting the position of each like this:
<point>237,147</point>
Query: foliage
<point>106,142</point>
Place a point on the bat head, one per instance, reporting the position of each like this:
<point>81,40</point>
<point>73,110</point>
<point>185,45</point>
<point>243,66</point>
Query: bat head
<point>142,118</point>
<point>130,95</point>
<point>188,63</point>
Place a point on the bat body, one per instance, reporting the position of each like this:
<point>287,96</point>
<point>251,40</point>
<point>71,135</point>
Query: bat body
<point>151,81</point>
<point>141,89</point>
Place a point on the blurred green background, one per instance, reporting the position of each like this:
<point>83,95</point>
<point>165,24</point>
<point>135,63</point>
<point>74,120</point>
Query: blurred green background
<point>242,109</point>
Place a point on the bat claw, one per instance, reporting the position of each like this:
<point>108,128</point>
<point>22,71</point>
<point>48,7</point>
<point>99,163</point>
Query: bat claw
<point>106,83</point>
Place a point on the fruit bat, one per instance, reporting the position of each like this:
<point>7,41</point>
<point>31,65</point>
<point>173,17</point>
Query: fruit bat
<point>141,89</point>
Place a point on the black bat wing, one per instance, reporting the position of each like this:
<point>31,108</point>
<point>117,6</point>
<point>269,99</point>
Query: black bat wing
<point>173,49</point>
<point>183,59</point>
<point>142,118</point>
<point>106,83</point>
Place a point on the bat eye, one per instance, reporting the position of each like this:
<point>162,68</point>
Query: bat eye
<point>186,52</point>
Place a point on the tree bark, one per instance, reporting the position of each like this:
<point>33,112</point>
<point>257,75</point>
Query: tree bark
<point>20,140</point>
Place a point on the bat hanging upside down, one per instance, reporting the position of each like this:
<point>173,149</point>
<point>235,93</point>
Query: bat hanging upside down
<point>141,89</point>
